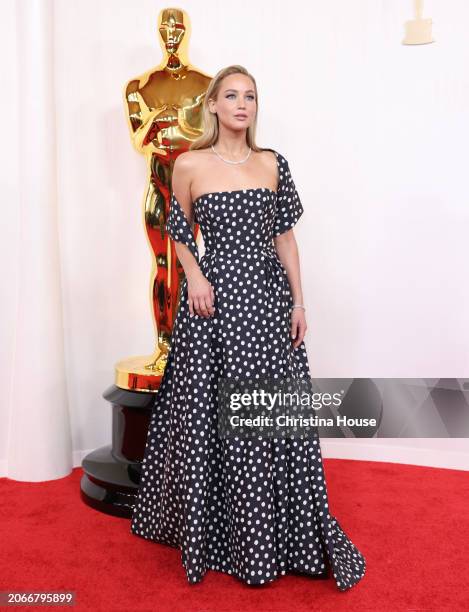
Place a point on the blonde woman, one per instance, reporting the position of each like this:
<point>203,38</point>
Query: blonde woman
<point>253,507</point>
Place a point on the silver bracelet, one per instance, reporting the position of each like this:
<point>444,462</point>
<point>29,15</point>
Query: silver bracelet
<point>298,306</point>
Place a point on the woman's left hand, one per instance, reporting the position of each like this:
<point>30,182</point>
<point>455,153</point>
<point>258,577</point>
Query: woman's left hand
<point>298,326</point>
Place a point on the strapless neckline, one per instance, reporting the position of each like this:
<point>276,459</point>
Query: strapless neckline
<point>232,191</point>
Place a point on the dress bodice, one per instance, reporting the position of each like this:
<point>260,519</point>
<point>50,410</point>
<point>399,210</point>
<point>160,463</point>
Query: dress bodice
<point>240,222</point>
<point>236,222</point>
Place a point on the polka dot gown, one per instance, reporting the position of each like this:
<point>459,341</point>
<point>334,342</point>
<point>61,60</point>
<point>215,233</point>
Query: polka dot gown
<point>255,508</point>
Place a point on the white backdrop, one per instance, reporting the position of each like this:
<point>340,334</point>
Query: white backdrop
<point>376,135</point>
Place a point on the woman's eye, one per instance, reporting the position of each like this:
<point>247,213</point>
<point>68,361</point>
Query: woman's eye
<point>249,96</point>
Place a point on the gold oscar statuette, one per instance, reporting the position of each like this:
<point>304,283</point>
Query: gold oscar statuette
<point>164,113</point>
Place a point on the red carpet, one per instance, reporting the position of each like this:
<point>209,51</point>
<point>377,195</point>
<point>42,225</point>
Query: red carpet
<point>411,523</point>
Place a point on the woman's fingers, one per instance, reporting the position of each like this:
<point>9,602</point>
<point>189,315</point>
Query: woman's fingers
<point>203,310</point>
<point>203,305</point>
<point>298,330</point>
<point>207,306</point>
<point>211,302</point>
<point>301,333</point>
<point>196,305</point>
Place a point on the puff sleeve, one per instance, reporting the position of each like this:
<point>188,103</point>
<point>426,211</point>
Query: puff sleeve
<point>289,208</point>
<point>178,227</point>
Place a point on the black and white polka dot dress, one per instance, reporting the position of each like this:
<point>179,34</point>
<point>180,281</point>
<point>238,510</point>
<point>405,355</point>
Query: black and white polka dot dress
<point>255,508</point>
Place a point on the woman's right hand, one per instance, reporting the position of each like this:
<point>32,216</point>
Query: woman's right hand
<point>201,295</point>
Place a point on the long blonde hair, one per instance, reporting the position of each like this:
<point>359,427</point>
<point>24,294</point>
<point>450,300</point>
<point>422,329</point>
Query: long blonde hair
<point>210,132</point>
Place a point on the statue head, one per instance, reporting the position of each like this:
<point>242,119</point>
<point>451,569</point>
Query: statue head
<point>173,23</point>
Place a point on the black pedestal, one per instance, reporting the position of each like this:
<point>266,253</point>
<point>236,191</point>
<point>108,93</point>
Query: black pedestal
<point>112,473</point>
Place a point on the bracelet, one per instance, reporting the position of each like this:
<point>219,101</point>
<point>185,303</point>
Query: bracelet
<point>298,306</point>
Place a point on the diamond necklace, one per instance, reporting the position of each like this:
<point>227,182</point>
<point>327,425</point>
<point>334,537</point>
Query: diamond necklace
<point>227,161</point>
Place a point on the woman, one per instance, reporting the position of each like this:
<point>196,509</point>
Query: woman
<point>255,508</point>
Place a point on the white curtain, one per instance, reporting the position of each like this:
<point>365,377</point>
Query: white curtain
<point>39,437</point>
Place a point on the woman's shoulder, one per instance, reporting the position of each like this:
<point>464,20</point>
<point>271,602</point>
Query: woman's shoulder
<point>198,156</point>
<point>192,156</point>
<point>197,160</point>
<point>282,160</point>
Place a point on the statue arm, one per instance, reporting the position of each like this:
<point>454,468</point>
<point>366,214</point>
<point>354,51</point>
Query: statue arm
<point>140,117</point>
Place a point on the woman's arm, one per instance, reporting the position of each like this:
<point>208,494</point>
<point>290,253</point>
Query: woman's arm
<point>287,251</point>
<point>201,296</point>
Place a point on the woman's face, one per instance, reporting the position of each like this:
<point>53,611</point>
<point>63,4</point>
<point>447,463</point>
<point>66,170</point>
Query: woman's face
<point>236,103</point>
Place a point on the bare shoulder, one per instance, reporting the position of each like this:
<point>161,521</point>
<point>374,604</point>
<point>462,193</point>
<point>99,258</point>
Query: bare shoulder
<point>268,159</point>
<point>191,160</point>
<point>186,166</point>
